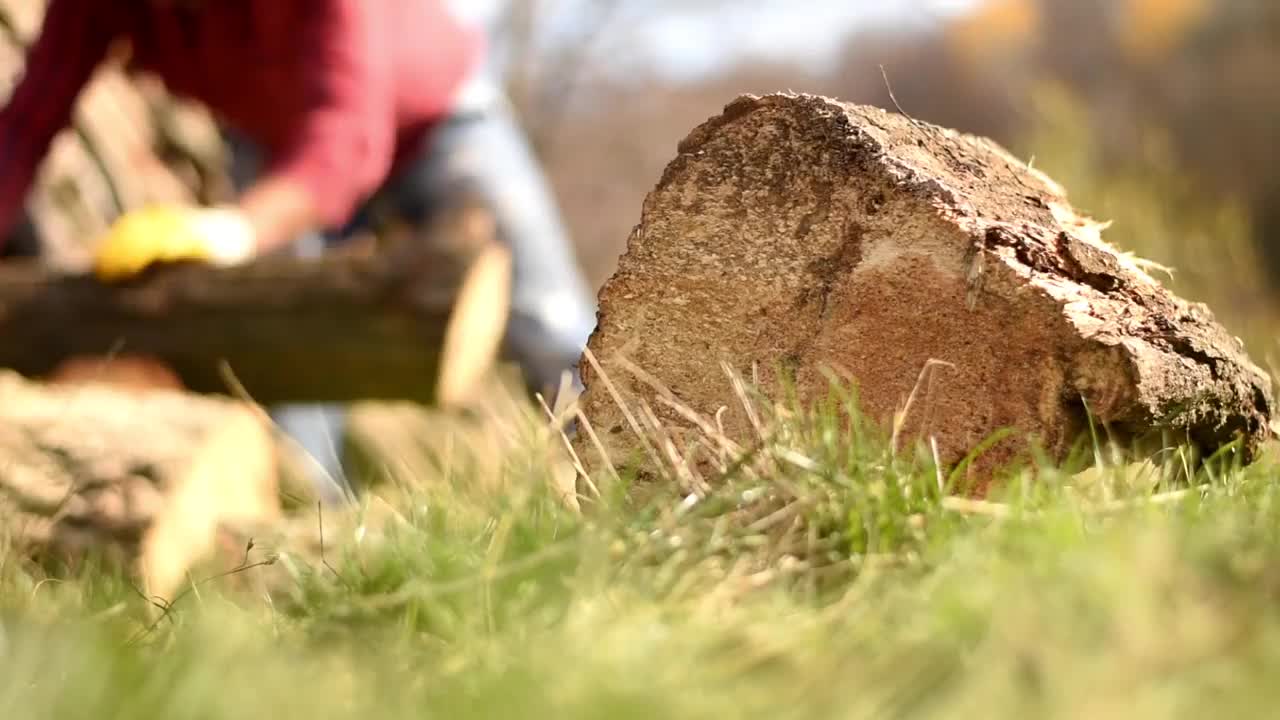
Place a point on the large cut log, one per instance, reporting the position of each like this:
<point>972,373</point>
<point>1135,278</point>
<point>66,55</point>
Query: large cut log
<point>795,232</point>
<point>146,478</point>
<point>421,319</point>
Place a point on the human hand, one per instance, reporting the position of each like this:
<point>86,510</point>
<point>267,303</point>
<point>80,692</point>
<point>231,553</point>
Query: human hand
<point>167,233</point>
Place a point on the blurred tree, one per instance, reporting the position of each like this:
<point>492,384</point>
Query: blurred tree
<point>544,66</point>
<point>997,32</point>
<point>549,50</point>
<point>1151,29</point>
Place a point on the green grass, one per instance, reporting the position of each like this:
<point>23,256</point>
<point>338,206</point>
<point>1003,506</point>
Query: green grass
<point>823,577</point>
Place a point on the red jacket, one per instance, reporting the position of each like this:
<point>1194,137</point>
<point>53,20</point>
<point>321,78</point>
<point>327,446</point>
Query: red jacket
<point>335,90</point>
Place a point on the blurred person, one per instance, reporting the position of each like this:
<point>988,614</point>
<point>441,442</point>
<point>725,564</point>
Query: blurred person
<point>329,107</point>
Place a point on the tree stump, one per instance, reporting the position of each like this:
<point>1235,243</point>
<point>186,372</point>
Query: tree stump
<point>951,282</point>
<point>145,478</point>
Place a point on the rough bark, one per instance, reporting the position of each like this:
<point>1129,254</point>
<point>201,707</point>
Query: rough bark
<point>420,320</point>
<point>142,478</point>
<point>797,232</point>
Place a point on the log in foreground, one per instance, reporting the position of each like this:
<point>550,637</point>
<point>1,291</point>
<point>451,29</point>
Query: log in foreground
<point>797,232</point>
<point>145,479</point>
<point>420,320</point>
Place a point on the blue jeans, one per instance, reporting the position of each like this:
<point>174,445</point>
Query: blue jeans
<point>482,148</point>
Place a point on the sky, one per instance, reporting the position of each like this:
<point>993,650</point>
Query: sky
<point>695,43</point>
<point>693,39</point>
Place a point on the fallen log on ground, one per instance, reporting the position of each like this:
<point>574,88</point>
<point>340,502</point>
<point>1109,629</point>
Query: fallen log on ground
<point>953,283</point>
<point>145,479</point>
<point>419,320</point>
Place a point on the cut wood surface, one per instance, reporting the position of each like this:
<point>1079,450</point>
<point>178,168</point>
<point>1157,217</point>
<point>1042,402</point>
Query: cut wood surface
<point>420,320</point>
<point>143,478</point>
<point>949,280</point>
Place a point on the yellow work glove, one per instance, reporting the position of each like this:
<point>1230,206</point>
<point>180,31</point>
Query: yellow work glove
<point>165,233</point>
